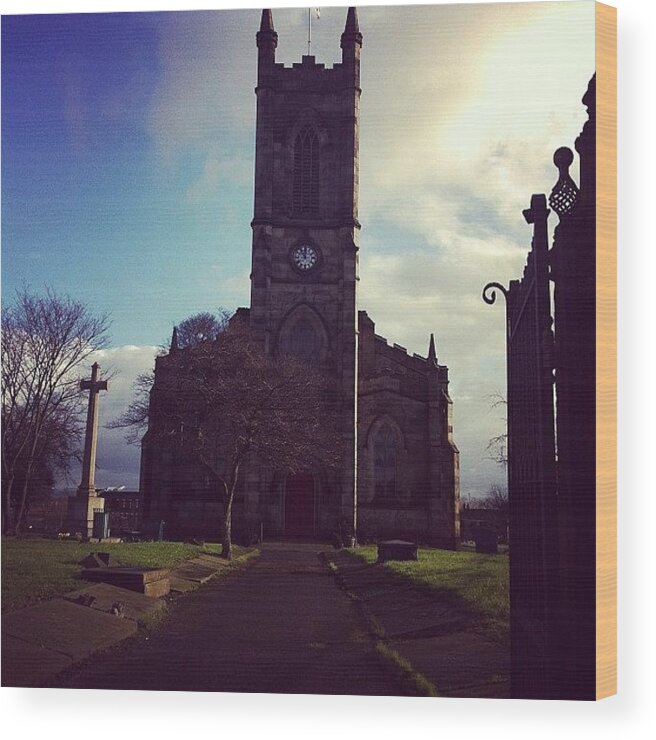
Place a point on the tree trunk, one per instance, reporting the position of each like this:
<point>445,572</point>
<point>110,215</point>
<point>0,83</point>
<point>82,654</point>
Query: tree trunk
<point>7,523</point>
<point>18,527</point>
<point>26,484</point>
<point>226,549</point>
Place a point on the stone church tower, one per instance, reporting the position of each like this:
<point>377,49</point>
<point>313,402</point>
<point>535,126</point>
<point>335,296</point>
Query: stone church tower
<point>399,474</point>
<point>305,224</point>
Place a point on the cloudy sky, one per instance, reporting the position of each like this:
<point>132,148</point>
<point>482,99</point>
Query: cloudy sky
<point>127,163</point>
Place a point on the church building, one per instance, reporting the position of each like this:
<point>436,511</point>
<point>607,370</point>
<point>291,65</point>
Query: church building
<point>400,469</point>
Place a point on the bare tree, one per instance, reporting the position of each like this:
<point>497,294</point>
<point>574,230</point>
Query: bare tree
<point>496,498</point>
<point>135,418</point>
<point>497,447</point>
<point>201,327</point>
<point>46,339</point>
<point>224,402</point>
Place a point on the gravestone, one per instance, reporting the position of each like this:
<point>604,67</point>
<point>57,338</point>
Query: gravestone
<point>97,560</point>
<point>153,582</point>
<point>486,540</point>
<point>101,525</point>
<point>396,550</point>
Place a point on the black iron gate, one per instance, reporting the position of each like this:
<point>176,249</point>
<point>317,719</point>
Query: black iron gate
<point>552,473</point>
<point>531,465</point>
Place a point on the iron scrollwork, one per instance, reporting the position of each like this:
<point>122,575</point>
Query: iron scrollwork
<point>490,293</point>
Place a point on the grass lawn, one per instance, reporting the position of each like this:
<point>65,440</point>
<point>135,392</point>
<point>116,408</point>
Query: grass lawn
<point>35,569</point>
<point>478,582</point>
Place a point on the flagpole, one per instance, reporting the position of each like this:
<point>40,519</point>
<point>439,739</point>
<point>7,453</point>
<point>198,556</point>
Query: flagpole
<point>309,30</point>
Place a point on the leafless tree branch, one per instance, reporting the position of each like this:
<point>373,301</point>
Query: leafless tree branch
<point>46,340</point>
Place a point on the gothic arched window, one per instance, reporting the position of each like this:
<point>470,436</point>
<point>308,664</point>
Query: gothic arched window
<point>303,342</point>
<point>385,459</point>
<point>302,335</point>
<point>306,172</point>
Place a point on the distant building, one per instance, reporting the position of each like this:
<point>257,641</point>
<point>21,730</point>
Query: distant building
<point>472,520</point>
<point>124,509</point>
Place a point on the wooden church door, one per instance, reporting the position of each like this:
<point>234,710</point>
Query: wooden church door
<point>299,505</point>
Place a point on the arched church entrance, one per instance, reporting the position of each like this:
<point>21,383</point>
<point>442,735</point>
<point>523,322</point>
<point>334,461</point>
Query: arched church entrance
<point>299,505</point>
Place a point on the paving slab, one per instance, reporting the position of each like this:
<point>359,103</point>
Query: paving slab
<point>214,561</point>
<point>137,607</point>
<point>400,608</point>
<point>182,585</point>
<point>73,630</point>
<point>457,661</point>
<point>195,570</point>
<point>438,637</point>
<point>28,665</point>
<point>416,618</point>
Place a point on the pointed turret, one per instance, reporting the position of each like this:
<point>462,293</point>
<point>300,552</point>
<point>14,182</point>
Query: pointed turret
<point>174,341</point>
<point>266,24</point>
<point>351,44</point>
<point>351,36</point>
<point>267,41</point>
<point>352,21</point>
<point>432,355</point>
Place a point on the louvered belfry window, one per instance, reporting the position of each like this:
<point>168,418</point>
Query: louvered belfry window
<point>306,172</point>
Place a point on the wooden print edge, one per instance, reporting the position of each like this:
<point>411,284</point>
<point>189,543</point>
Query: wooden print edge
<point>606,339</point>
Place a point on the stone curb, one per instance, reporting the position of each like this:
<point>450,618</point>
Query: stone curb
<point>417,682</point>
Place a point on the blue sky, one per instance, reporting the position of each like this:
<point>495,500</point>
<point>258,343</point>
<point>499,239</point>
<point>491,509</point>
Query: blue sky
<point>91,203</point>
<point>127,161</point>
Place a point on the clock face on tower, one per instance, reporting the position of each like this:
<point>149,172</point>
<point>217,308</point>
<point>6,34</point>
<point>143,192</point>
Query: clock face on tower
<point>305,257</point>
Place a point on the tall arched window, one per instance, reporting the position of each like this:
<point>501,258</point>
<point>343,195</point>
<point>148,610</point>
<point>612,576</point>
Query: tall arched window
<point>306,172</point>
<point>385,459</point>
<point>303,335</point>
<point>303,341</point>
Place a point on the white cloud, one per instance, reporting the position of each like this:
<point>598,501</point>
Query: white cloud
<point>474,101</point>
<point>462,108</point>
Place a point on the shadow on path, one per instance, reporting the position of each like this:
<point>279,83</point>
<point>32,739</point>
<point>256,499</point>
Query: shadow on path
<point>280,626</point>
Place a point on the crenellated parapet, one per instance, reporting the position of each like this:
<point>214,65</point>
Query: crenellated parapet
<point>308,73</point>
<point>389,366</point>
<point>396,353</point>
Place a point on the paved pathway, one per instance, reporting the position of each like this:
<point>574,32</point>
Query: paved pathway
<point>280,625</point>
<point>437,633</point>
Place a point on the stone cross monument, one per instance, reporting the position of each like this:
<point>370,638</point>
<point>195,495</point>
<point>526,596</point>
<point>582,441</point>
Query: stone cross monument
<point>87,501</point>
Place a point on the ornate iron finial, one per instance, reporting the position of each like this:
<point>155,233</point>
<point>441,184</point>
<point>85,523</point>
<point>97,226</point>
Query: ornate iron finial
<point>565,193</point>
<point>490,292</point>
<point>538,209</point>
